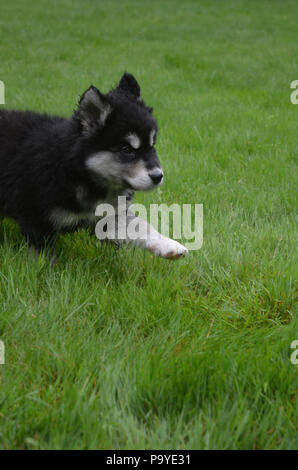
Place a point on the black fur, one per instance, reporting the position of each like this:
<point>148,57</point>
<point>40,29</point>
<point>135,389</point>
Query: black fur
<point>43,158</point>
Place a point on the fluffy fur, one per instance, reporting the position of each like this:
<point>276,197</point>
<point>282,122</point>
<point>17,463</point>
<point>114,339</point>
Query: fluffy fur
<point>54,171</point>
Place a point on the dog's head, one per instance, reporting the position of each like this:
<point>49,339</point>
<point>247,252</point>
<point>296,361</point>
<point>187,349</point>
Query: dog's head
<point>120,132</point>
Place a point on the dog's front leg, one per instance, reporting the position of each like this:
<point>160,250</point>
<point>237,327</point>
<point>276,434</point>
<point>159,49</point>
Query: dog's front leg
<point>141,234</point>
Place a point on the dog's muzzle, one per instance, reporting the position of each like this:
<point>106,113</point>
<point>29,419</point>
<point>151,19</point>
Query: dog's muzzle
<point>156,176</point>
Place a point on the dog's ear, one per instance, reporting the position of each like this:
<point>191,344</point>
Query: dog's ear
<point>93,109</point>
<point>129,84</point>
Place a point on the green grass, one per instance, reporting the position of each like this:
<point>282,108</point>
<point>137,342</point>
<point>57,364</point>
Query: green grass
<point>118,349</point>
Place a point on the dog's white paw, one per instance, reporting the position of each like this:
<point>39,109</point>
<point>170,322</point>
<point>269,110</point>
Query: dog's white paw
<point>167,248</point>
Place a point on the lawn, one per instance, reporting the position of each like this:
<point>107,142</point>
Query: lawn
<point>114,348</point>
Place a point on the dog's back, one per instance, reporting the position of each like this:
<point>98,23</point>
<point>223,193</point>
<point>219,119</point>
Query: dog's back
<point>25,144</point>
<point>14,129</point>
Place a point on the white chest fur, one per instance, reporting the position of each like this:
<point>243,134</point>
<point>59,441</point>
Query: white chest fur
<point>63,218</point>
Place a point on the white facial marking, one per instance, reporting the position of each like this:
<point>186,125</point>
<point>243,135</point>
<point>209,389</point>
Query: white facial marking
<point>134,140</point>
<point>152,137</point>
<point>105,165</point>
<point>139,178</point>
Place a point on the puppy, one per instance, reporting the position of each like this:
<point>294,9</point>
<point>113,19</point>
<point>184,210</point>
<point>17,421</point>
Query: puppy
<point>55,171</point>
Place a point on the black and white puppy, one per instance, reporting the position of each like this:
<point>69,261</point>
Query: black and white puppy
<point>55,171</point>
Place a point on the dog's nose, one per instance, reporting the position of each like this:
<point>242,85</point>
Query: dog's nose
<point>156,176</point>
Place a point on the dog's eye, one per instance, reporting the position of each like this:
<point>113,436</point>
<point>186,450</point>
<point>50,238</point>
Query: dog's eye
<point>127,151</point>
